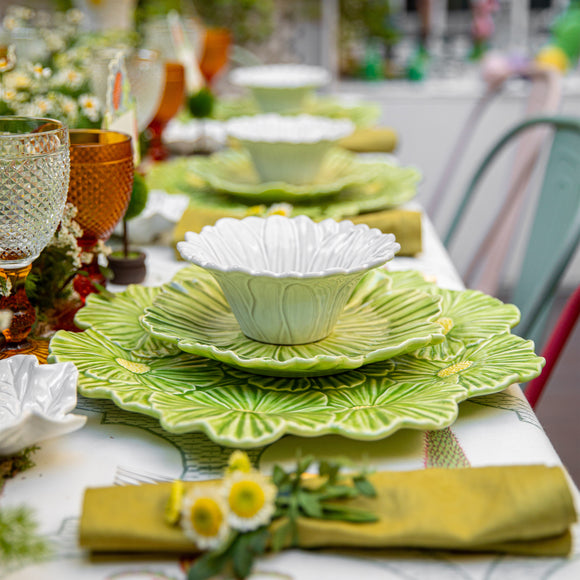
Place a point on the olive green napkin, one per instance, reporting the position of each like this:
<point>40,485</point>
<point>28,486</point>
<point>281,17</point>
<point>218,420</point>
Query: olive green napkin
<point>371,140</point>
<point>405,224</point>
<point>515,509</point>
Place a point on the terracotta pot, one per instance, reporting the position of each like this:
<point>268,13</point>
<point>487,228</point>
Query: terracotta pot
<point>131,270</point>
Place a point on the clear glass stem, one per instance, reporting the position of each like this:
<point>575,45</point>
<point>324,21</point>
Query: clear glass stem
<point>15,300</point>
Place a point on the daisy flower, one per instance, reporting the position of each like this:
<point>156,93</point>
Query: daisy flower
<point>282,208</point>
<point>250,499</point>
<point>70,77</point>
<point>68,106</point>
<point>18,80</point>
<point>204,518</point>
<point>40,72</point>
<point>7,58</point>
<point>42,105</point>
<point>8,95</point>
<point>90,106</point>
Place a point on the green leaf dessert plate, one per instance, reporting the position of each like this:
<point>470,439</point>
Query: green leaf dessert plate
<point>376,324</point>
<point>361,114</point>
<point>187,393</point>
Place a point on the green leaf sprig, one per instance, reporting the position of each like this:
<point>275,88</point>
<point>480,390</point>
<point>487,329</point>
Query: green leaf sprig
<point>299,495</point>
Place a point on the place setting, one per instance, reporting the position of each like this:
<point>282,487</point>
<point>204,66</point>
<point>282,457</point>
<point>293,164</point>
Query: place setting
<point>297,319</point>
<point>233,344</point>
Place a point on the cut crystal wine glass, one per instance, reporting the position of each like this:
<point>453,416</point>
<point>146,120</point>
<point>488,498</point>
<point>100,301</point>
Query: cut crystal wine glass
<point>34,176</point>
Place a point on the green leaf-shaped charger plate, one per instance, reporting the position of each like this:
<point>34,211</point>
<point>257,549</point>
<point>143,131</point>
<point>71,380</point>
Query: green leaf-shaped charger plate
<point>119,318</point>
<point>376,324</point>
<point>235,408</point>
<point>232,172</point>
<point>391,187</point>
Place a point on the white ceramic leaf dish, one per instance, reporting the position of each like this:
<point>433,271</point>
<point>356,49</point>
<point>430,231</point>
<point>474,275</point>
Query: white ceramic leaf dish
<point>275,128</point>
<point>282,247</point>
<point>35,402</point>
<point>288,149</point>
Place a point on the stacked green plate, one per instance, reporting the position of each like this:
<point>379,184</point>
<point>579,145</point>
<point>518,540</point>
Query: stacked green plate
<point>405,353</point>
<point>348,185</point>
<point>361,114</point>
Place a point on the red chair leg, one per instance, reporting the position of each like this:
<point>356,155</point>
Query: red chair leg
<point>555,346</point>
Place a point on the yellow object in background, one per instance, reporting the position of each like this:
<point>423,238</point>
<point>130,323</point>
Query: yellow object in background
<point>553,57</point>
<point>371,140</point>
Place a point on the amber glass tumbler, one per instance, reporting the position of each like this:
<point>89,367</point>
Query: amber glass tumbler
<point>101,181</point>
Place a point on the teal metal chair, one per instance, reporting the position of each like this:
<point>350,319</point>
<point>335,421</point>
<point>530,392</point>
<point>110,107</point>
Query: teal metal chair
<point>555,231</point>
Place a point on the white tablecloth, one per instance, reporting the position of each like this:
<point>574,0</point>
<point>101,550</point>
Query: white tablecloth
<point>118,447</point>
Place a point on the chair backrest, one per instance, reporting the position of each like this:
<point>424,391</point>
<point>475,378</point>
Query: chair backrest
<point>555,346</point>
<point>555,230</point>
<point>544,99</point>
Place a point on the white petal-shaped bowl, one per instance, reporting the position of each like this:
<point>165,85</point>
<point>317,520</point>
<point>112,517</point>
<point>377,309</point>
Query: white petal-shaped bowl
<point>287,279</point>
<point>288,149</point>
<point>35,402</point>
<point>279,88</point>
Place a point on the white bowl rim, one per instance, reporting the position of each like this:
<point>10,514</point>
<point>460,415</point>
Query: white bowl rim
<point>392,247</point>
<point>280,76</point>
<point>299,129</point>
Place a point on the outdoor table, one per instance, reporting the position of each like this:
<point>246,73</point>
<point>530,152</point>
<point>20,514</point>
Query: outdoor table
<point>121,448</point>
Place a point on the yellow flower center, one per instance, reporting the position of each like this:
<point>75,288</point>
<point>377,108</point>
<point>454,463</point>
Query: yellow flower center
<point>246,498</point>
<point>454,369</point>
<point>206,517</point>
<point>446,323</point>
<point>133,367</point>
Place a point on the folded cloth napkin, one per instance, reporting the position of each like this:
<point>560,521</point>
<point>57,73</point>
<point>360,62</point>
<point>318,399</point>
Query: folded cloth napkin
<point>515,509</point>
<point>405,224</point>
<point>371,140</point>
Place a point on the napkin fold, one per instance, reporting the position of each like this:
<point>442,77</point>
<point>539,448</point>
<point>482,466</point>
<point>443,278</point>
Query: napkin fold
<point>516,509</point>
<point>405,224</point>
<point>371,140</point>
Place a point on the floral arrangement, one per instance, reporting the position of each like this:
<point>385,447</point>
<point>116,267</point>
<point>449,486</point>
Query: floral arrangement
<point>231,519</point>
<point>58,85</point>
<point>49,285</point>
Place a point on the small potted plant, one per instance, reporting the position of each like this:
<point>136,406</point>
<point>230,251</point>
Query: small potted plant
<point>201,105</point>
<point>128,265</point>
